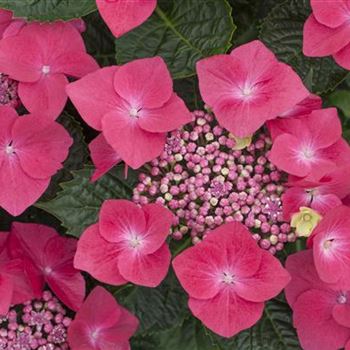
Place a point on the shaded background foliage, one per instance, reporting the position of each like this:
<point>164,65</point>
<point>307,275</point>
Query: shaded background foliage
<point>181,31</point>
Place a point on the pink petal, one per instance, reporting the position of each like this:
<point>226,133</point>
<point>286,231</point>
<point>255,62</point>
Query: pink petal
<point>20,57</point>
<point>14,27</point>
<point>22,289</point>
<point>121,16</point>
<point>342,57</point>
<point>40,145</point>
<point>120,218</point>
<point>341,313</point>
<point>48,94</point>
<point>330,13</point>
<point>75,64</point>
<point>144,83</point>
<point>158,224</point>
<point>304,107</point>
<point>268,281</point>
<point>98,257</point>
<point>217,75</point>
<point>339,153</point>
<point>109,312</point>
<point>6,292</point>
<point>331,245</point>
<point>78,24</point>
<point>8,116</point>
<point>293,199</point>
<point>304,276</point>
<point>79,336</point>
<point>197,269</point>
<point>54,39</point>
<point>134,145</point>
<point>320,40</point>
<point>147,270</point>
<point>171,116</point>
<point>319,121</point>
<point>18,190</point>
<point>226,314</point>
<point>5,20</point>
<point>284,154</point>
<point>94,95</point>
<point>324,203</point>
<point>103,156</point>
<point>64,280</point>
<point>316,328</point>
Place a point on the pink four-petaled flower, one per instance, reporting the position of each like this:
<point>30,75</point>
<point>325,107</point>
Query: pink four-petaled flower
<point>133,105</point>
<point>228,278</point>
<point>40,57</point>
<point>248,87</point>
<point>128,244</point>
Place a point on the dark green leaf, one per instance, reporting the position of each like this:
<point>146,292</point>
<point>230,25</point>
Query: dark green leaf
<point>158,308</point>
<point>79,202</point>
<point>49,10</point>
<point>182,32</point>
<point>282,31</point>
<point>99,40</point>
<point>188,90</point>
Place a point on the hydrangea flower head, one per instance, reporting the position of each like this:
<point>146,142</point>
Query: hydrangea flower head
<point>320,310</point>
<point>36,324</point>
<point>32,149</point>
<point>330,242</point>
<point>40,57</point>
<point>248,87</point>
<point>48,260</point>
<point>228,278</point>
<point>134,106</point>
<point>206,178</point>
<point>128,244</point>
<point>327,30</point>
<point>122,16</point>
<point>101,323</point>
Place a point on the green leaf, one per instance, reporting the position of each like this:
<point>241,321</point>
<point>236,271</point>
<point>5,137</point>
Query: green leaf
<point>182,32</point>
<point>282,31</point>
<point>99,40</point>
<point>49,10</point>
<point>188,90</point>
<point>78,155</point>
<point>191,335</point>
<point>274,331</point>
<point>160,308</point>
<point>79,202</point>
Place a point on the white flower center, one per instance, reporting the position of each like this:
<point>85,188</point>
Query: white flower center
<point>342,299</point>
<point>45,69</point>
<point>9,149</point>
<point>47,270</point>
<point>228,278</point>
<point>307,153</point>
<point>135,242</point>
<point>134,112</point>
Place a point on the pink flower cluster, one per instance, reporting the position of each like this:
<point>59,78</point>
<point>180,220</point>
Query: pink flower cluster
<point>206,181</point>
<point>320,288</point>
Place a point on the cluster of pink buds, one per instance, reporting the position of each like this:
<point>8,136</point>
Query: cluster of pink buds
<point>8,91</point>
<point>207,181</point>
<point>38,324</point>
